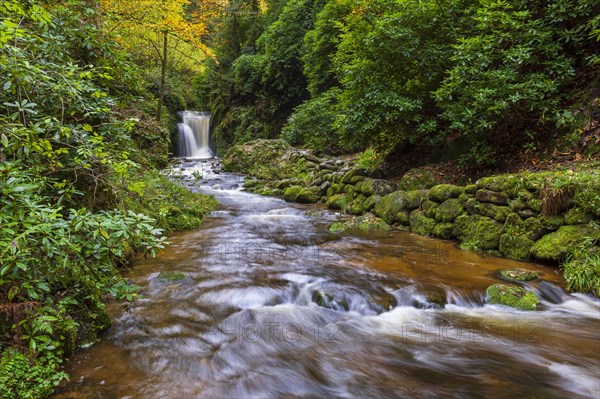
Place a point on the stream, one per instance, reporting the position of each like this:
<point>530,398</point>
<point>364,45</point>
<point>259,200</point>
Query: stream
<point>275,305</point>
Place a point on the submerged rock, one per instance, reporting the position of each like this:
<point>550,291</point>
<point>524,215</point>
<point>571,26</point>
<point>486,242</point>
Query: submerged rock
<point>366,222</point>
<point>171,276</point>
<point>513,296</point>
<point>515,275</point>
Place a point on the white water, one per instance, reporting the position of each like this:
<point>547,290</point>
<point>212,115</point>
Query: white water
<point>194,135</point>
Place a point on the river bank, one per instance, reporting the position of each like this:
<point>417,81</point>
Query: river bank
<point>549,216</point>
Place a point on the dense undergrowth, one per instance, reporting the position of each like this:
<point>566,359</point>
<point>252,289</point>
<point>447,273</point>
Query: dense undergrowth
<point>78,197</point>
<point>460,79</point>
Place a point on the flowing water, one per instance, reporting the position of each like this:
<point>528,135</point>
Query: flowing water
<point>274,305</point>
<point>194,135</point>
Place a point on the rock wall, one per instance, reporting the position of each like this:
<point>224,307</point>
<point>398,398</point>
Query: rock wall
<point>542,216</point>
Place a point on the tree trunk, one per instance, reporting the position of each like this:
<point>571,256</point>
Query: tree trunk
<point>163,72</point>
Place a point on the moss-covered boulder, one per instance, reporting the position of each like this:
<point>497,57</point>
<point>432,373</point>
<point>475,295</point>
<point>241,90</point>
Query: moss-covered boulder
<point>430,208</point>
<point>496,212</point>
<point>513,296</point>
<point>367,222</point>
<point>302,195</point>
<point>338,201</point>
<point>478,231</point>
<point>265,159</point>
<point>389,205</point>
<point>559,244</point>
<point>421,224</point>
<point>500,183</point>
<point>492,197</point>
<point>518,275</point>
<point>444,230</point>
<point>417,179</point>
<point>171,276</point>
<point>357,206</point>
<point>376,186</point>
<point>449,210</point>
<point>442,192</point>
<point>347,178</point>
<point>471,189</point>
<point>371,202</point>
<point>403,218</point>
<point>577,216</point>
<point>515,246</point>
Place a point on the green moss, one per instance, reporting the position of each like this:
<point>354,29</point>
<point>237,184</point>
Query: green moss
<point>506,183</point>
<point>576,216</point>
<point>356,207</point>
<point>403,217</point>
<point>442,192</point>
<point>302,195</point>
<point>347,179</point>
<point>371,202</point>
<point>496,212</point>
<point>513,296</point>
<point>444,230</point>
<point>493,197</point>
<point>471,189</point>
<point>171,276</point>
<point>338,227</point>
<point>559,244</point>
<point>367,222</point>
<point>430,208</point>
<point>518,275</point>
<point>476,231</point>
<point>421,224</point>
<point>449,210</point>
<point>376,186</point>
<point>390,205</point>
<point>338,201</point>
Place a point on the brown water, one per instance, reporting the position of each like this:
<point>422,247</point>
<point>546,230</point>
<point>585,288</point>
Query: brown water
<point>274,305</point>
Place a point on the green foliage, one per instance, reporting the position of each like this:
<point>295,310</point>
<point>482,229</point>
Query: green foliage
<point>369,159</point>
<point>312,123</point>
<point>21,377</point>
<point>583,274</point>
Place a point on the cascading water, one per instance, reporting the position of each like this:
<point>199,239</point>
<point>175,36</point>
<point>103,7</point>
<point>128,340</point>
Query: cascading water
<point>194,139</point>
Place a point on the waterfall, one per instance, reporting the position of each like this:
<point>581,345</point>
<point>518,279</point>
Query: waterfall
<point>194,135</point>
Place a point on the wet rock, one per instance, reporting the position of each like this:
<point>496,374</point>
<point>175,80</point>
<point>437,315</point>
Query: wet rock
<point>478,231</point>
<point>518,275</point>
<point>171,276</point>
<point>444,230</point>
<point>367,222</point>
<point>449,210</point>
<point>301,194</point>
<point>442,192</point>
<point>492,197</point>
<point>557,245</point>
<point>338,201</point>
<point>513,296</point>
<point>421,224</point>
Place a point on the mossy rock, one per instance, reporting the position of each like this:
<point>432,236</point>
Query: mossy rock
<point>552,223</point>
<point>430,208</point>
<point>449,210</point>
<point>421,224</point>
<point>171,276</point>
<point>471,189</point>
<point>496,212</point>
<point>515,246</point>
<point>265,159</point>
<point>442,192</point>
<point>367,222</point>
<point>518,275</point>
<point>338,201</point>
<point>513,296</point>
<point>376,186</point>
<point>403,217</point>
<point>514,220</point>
<point>444,230</point>
<point>302,195</point>
<point>371,202</point>
<point>588,199</point>
<point>478,231</point>
<point>500,183</point>
<point>389,205</point>
<point>577,216</point>
<point>356,207</point>
<point>534,204</point>
<point>347,179</point>
<point>357,179</point>
<point>527,213</point>
<point>492,197</point>
<point>417,179</point>
<point>559,244</point>
<point>251,183</point>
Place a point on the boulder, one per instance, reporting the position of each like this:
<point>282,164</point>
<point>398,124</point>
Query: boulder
<point>442,192</point>
<point>421,224</point>
<point>557,245</point>
<point>449,210</point>
<point>302,195</point>
<point>444,230</point>
<point>338,201</point>
<point>478,231</point>
<point>518,275</point>
<point>376,186</point>
<point>430,208</point>
<point>515,246</point>
<point>389,205</point>
<point>492,197</point>
<point>513,296</point>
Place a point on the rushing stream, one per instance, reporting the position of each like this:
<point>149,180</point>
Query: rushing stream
<point>275,305</point>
